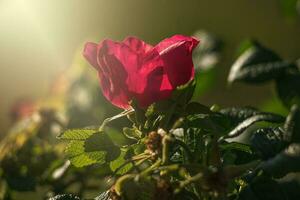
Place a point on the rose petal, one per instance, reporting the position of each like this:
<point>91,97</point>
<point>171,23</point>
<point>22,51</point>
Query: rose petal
<point>90,53</point>
<point>119,98</point>
<point>114,70</point>
<point>137,45</point>
<point>155,80</point>
<point>176,53</point>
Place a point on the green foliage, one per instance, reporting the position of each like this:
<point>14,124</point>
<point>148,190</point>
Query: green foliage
<point>258,64</point>
<point>97,147</point>
<point>288,90</point>
<point>292,125</point>
<point>180,149</point>
<point>238,130</point>
<point>174,149</point>
<point>268,142</point>
<point>65,197</point>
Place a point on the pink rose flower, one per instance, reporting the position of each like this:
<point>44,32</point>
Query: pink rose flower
<point>133,69</point>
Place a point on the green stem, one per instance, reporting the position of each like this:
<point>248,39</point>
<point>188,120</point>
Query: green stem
<point>151,168</point>
<point>166,149</point>
<point>122,114</point>
<point>188,181</point>
<point>185,148</point>
<point>139,161</point>
<point>233,171</point>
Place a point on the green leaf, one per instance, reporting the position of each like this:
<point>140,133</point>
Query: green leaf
<point>65,197</point>
<point>158,107</point>
<point>80,158</point>
<point>103,196</point>
<point>117,137</point>
<point>139,117</point>
<point>258,65</point>
<point>236,146</point>
<point>239,114</point>
<point>121,164</point>
<point>292,125</point>
<point>214,123</point>
<point>97,148</point>
<point>263,188</point>
<point>268,142</point>
<point>288,89</point>
<point>197,108</point>
<point>183,93</point>
<point>100,142</point>
<point>77,134</point>
<point>238,130</point>
<point>236,153</point>
<point>286,162</point>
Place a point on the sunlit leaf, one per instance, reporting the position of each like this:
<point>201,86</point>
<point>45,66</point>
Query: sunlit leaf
<point>77,134</point>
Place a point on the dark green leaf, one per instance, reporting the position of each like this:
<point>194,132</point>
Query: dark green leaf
<point>268,142</point>
<point>236,146</point>
<point>236,153</point>
<point>103,196</point>
<point>214,123</point>
<point>257,65</point>
<point>292,125</point>
<point>263,188</point>
<point>288,89</point>
<point>239,114</point>
<point>183,93</point>
<point>250,121</point>
<point>197,108</point>
<point>286,162</point>
<point>65,197</point>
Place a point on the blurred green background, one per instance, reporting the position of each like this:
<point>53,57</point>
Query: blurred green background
<point>39,38</point>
